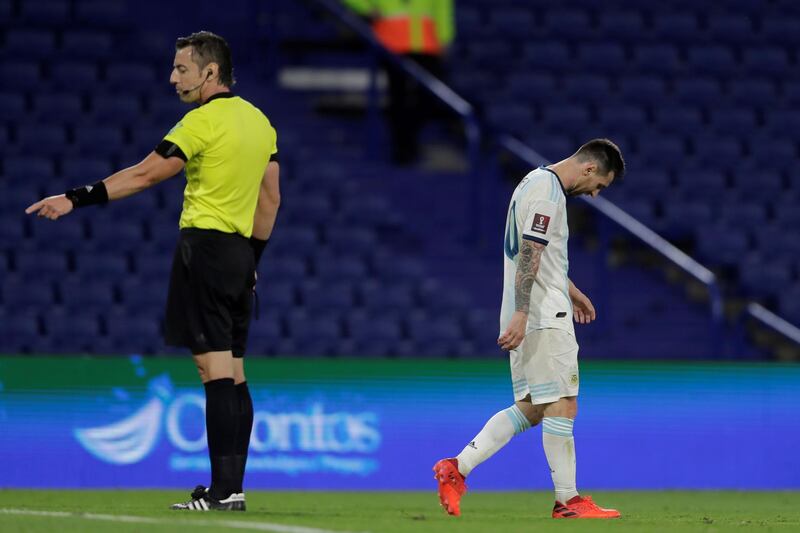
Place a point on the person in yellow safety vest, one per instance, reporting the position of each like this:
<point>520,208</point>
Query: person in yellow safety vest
<point>409,26</point>
<point>421,30</point>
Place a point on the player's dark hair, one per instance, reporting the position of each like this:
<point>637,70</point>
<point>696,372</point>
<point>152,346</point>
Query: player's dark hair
<point>607,155</point>
<point>210,48</point>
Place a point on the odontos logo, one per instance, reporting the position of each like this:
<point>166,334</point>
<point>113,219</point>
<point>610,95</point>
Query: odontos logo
<point>311,430</point>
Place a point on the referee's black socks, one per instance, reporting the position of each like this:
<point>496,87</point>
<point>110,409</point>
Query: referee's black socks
<point>222,421</point>
<point>243,432</point>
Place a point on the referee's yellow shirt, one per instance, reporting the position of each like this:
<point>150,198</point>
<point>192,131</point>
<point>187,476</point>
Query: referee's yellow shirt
<point>228,143</point>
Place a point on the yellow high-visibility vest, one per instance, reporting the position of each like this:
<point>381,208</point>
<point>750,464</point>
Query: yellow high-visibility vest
<point>409,26</point>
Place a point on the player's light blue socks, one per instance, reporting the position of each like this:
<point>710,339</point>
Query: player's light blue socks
<point>494,435</point>
<point>559,447</point>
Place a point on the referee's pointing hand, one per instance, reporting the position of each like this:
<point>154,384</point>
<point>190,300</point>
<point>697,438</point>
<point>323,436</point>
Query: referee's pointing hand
<point>51,207</point>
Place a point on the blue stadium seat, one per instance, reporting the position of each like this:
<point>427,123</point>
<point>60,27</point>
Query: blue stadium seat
<point>657,59</point>
<point>567,23</point>
<point>19,332</point>
<point>41,139</point>
<point>776,242</point>
<point>29,44</point>
<point>550,56</point>
<point>676,27</point>
<point>531,85</point>
<point>758,92</point>
<point>122,235</point>
<point>74,75</point>
<point>770,153</point>
<point>642,89</point>
<point>744,215</point>
<point>282,269</point>
<point>603,57</point>
<point>589,87</point>
<point>102,13</point>
<point>146,295</point>
<point>380,297</point>
<point>663,148</point>
<point>768,60</point>
<point>623,119</point>
<point>736,121</point>
<point>782,123</point>
<point>83,169</point>
<point>509,117</point>
<point>131,76</point>
<point>134,334</point>
<point>99,140</point>
<point>713,59</point>
<point>780,28</point>
<point>12,232</point>
<point>118,107</point>
<point>101,266</point>
<point>717,151</point>
<point>79,294</point>
<point>698,90</point>
<point>550,146</point>
<point>294,240</point>
<point>684,217</point>
<point>397,269</point>
<point>71,333</point>
<point>566,116</point>
<point>26,296</point>
<point>86,44</point>
<point>40,265</point>
<point>63,235</point>
<point>57,107</point>
<point>490,54</point>
<point>12,105</point>
<point>331,298</point>
<point>277,296</point>
<point>320,334</point>
<point>375,336</point>
<point>762,185</point>
<point>18,75</point>
<point>155,265</point>
<point>764,278</point>
<point>512,21</point>
<point>53,13</point>
<point>265,336</point>
<point>731,28</point>
<point>678,119</point>
<point>621,25</point>
<point>340,268</point>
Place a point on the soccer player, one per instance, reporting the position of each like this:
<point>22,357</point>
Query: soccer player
<point>539,304</point>
<point>227,147</point>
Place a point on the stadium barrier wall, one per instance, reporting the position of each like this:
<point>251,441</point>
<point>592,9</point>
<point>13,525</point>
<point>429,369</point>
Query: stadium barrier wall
<point>78,422</point>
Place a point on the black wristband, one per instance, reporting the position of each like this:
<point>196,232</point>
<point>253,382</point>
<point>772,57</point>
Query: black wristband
<point>258,247</point>
<point>93,194</point>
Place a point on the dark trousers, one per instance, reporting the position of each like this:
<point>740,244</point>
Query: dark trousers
<point>409,106</point>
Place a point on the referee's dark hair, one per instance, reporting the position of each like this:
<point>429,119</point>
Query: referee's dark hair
<point>210,48</point>
<point>607,155</point>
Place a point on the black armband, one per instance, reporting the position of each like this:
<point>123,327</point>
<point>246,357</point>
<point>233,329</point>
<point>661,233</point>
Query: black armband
<point>93,194</point>
<point>258,247</point>
<point>274,158</point>
<point>167,149</point>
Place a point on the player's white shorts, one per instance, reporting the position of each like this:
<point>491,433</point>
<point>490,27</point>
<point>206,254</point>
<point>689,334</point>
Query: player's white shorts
<point>545,366</point>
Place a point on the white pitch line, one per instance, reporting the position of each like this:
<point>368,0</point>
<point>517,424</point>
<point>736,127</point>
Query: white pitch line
<point>237,524</point>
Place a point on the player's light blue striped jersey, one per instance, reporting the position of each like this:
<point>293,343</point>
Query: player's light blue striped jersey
<point>538,212</point>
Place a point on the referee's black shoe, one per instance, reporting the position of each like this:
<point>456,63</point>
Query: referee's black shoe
<point>203,501</point>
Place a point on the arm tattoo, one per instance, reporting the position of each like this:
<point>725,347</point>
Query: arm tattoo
<point>530,255</point>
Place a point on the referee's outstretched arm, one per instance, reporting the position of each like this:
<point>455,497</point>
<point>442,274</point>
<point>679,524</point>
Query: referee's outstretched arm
<point>151,170</point>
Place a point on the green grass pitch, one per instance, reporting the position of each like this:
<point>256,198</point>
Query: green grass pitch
<point>123,511</point>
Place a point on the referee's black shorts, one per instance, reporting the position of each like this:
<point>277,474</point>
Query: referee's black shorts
<point>210,292</point>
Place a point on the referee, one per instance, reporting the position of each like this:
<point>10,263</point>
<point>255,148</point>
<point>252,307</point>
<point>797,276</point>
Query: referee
<point>228,150</point>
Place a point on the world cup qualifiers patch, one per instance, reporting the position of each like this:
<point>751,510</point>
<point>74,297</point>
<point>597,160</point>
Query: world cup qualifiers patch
<point>540,223</point>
